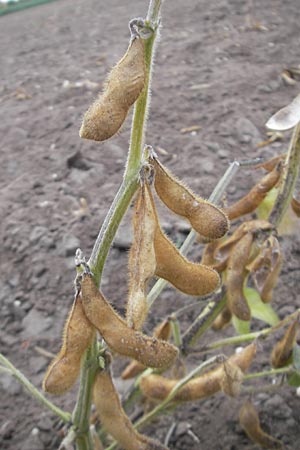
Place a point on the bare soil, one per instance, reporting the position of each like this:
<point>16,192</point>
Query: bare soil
<point>218,66</point>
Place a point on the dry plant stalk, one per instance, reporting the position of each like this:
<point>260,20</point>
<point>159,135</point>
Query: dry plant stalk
<point>126,81</point>
<point>119,337</point>
<point>157,387</point>
<point>249,421</point>
<point>78,335</point>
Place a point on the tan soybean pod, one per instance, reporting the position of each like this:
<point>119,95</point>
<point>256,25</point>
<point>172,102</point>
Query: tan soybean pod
<point>122,88</point>
<point>114,418</point>
<point>282,351</point>
<point>265,268</point>
<point>190,278</point>
<point>142,260</point>
<point>119,337</point>
<point>209,257</point>
<point>231,379</point>
<point>134,368</point>
<point>78,335</point>
<point>158,387</point>
<point>256,195</point>
<point>236,272</point>
<point>249,421</point>
<point>208,220</point>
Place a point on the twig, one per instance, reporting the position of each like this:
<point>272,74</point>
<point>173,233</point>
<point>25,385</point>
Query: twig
<point>66,417</point>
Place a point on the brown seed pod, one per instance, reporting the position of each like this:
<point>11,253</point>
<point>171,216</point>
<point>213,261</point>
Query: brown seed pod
<point>119,337</point>
<point>208,220</point>
<point>222,320</point>
<point>249,421</point>
<point>295,204</point>
<point>126,81</point>
<point>142,261</point>
<point>265,268</point>
<point>282,352</point>
<point>209,257</point>
<point>134,368</point>
<point>256,195</point>
<point>236,272</point>
<point>224,248</point>
<point>114,418</point>
<point>188,277</point>
<point>231,379</point>
<point>157,387</point>
<point>78,335</point>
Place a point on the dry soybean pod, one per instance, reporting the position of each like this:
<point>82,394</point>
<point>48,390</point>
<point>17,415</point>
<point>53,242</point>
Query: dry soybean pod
<point>188,277</point>
<point>265,268</point>
<point>64,369</point>
<point>119,337</point>
<point>122,88</point>
<point>208,220</point>
<point>231,379</point>
<point>295,204</point>
<point>256,195</point>
<point>282,352</point>
<point>114,418</point>
<point>142,261</point>
<point>249,421</point>
<point>134,368</point>
<point>238,258</point>
<point>158,387</point>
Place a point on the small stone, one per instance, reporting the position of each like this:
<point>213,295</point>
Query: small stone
<point>223,154</point>
<point>77,161</point>
<point>36,234</point>
<point>213,146</point>
<point>10,385</point>
<point>35,324</point>
<point>7,429</point>
<point>69,245</point>
<point>278,408</point>
<point>207,165</point>
<point>247,132</point>
<point>124,236</point>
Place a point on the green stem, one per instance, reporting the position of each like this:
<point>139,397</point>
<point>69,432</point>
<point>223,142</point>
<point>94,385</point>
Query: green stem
<point>109,229</point>
<point>289,178</point>
<point>81,413</point>
<point>66,417</point>
<point>249,336</point>
<point>203,321</point>
<point>176,331</point>
<point>267,373</point>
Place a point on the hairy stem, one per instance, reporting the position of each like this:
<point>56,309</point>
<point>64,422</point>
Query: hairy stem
<point>289,178</point>
<point>66,417</point>
<point>109,229</point>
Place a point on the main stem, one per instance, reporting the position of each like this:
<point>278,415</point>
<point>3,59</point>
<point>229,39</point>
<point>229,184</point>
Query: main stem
<point>289,178</point>
<point>109,228</point>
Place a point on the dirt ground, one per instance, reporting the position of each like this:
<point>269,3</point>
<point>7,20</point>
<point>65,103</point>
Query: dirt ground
<point>218,66</point>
